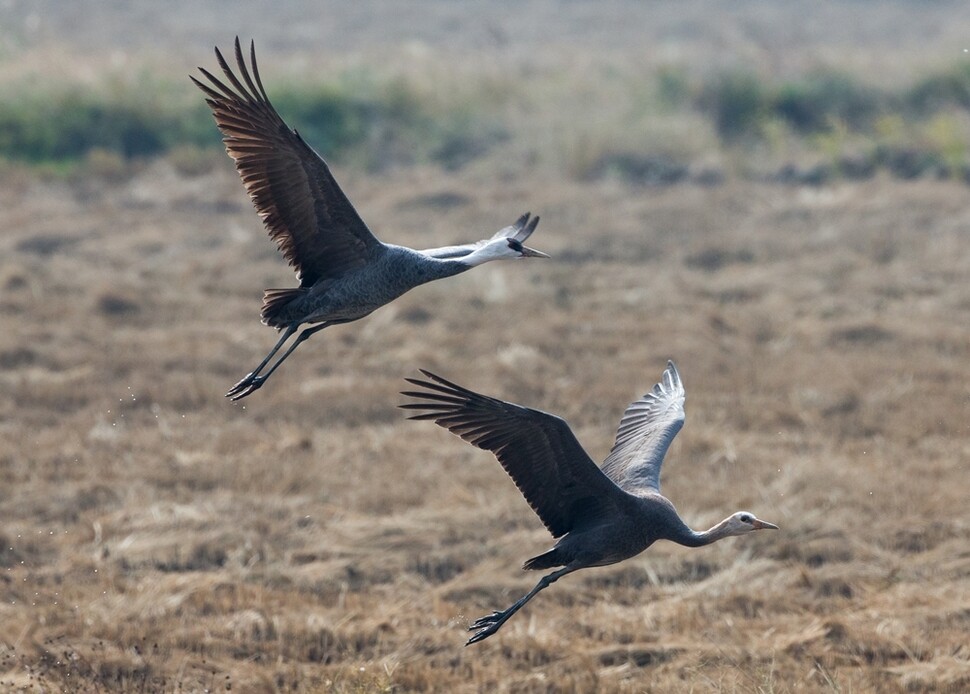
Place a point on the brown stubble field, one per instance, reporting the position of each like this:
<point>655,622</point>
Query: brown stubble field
<point>156,537</point>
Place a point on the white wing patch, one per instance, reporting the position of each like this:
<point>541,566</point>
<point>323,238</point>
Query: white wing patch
<point>644,435</point>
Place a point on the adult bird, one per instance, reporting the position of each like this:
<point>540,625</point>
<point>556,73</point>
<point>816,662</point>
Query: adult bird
<point>600,515</point>
<point>345,272</point>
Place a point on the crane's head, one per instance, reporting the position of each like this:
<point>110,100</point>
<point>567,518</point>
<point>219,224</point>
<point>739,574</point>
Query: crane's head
<point>509,242</point>
<point>742,523</point>
<point>501,249</point>
<point>512,247</point>
<point>520,251</point>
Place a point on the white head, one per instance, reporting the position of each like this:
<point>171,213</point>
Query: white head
<point>502,249</point>
<point>742,523</point>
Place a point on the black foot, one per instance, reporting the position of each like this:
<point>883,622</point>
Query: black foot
<point>248,385</point>
<point>485,627</point>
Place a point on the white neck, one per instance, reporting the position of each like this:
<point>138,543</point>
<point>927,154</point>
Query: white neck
<point>489,252</point>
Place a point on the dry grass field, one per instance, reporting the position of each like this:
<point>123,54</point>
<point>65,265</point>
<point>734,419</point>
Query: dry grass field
<point>156,537</point>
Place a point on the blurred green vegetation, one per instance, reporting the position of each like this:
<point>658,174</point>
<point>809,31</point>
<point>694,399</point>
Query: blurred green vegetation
<point>817,126</point>
<point>368,122</point>
<point>53,122</point>
<point>741,105</point>
<point>941,90</point>
<point>855,128</point>
<point>376,124</point>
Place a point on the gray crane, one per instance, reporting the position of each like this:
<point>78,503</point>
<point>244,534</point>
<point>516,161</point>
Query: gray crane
<point>600,515</point>
<point>345,272</point>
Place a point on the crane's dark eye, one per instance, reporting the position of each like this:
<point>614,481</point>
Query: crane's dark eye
<point>515,245</point>
<point>747,519</point>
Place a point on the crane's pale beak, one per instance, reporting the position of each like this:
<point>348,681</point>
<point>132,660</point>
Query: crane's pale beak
<point>762,525</point>
<point>533,253</point>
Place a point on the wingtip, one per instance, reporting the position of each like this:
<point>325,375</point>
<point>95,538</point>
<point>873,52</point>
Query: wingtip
<point>533,223</point>
<point>524,231</point>
<point>432,376</point>
<point>672,375</point>
<point>424,384</point>
<point>414,394</point>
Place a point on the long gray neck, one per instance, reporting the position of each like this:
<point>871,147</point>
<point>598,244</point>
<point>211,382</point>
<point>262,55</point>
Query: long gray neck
<point>439,268</point>
<point>683,535</point>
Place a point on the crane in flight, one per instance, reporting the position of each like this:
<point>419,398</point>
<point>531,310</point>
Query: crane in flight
<point>601,515</point>
<point>344,271</point>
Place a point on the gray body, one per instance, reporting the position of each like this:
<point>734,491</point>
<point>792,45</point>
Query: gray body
<point>639,522</point>
<point>601,515</point>
<point>392,271</point>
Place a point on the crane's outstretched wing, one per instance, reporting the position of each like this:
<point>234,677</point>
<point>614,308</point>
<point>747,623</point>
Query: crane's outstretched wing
<point>520,231</point>
<point>538,451</point>
<point>313,223</point>
<point>646,430</point>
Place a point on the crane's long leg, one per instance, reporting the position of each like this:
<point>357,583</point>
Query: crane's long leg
<point>248,378</point>
<point>491,623</point>
<point>253,381</point>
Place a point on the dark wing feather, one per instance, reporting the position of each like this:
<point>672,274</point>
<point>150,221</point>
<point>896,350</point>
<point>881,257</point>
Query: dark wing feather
<point>538,451</point>
<point>520,231</point>
<point>646,430</point>
<point>313,223</point>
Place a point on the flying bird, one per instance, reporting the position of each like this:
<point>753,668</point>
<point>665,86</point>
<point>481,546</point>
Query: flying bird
<point>601,515</point>
<point>344,271</point>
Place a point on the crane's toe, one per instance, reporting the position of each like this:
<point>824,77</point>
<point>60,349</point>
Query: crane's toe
<point>486,621</point>
<point>250,384</point>
<point>487,625</point>
<point>241,384</point>
<point>483,634</point>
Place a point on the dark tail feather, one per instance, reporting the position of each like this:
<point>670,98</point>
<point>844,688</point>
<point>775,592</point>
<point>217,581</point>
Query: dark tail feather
<point>274,301</point>
<point>544,561</point>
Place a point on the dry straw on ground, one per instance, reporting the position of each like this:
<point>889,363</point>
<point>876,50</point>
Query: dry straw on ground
<point>155,537</point>
<point>314,538</point>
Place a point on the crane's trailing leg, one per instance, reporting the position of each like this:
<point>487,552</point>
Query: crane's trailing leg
<point>253,381</point>
<point>491,623</point>
<point>251,376</point>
